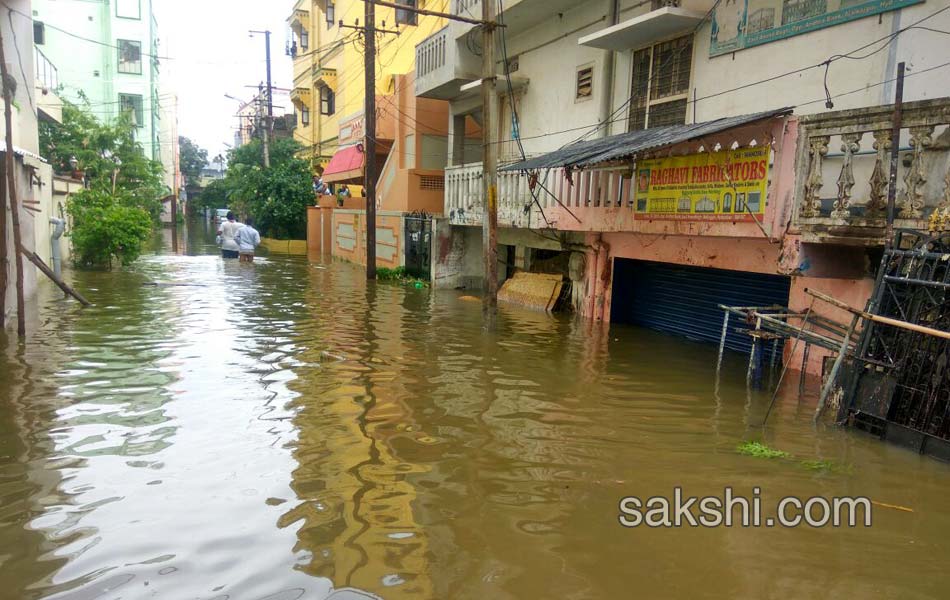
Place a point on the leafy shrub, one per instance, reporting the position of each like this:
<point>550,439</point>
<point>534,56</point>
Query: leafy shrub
<point>104,230</point>
<point>114,216</point>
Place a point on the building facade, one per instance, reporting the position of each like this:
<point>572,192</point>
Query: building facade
<point>411,132</point>
<point>37,199</point>
<point>671,156</point>
<point>110,57</point>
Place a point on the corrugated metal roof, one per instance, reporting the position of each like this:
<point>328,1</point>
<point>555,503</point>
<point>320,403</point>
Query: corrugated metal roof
<point>625,145</point>
<point>21,152</point>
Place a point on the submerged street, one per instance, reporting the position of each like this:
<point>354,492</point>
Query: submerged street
<point>282,429</point>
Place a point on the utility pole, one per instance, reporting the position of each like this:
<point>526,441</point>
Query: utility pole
<point>489,139</point>
<point>489,163</point>
<point>269,118</point>
<point>896,122</point>
<point>270,86</point>
<point>369,145</point>
<point>265,130</point>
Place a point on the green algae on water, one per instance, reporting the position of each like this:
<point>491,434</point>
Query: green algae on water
<point>760,450</point>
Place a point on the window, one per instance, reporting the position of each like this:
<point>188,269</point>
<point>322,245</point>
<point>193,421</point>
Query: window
<point>660,84</point>
<point>327,101</point>
<point>406,17</point>
<point>39,33</point>
<point>331,15</point>
<point>132,103</point>
<point>305,116</point>
<point>304,40</point>
<point>584,89</point>
<point>128,9</point>
<point>130,57</point>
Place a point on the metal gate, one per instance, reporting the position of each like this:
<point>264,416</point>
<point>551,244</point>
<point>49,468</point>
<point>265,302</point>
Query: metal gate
<point>685,300</point>
<point>418,244</point>
<point>900,385</point>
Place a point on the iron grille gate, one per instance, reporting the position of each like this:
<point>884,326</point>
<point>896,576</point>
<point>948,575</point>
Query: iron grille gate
<point>900,385</point>
<point>418,244</point>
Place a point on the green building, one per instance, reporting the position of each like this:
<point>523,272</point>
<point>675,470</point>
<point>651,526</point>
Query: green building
<point>108,52</point>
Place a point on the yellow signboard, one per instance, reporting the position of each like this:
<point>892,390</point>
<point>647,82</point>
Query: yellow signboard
<point>718,186</point>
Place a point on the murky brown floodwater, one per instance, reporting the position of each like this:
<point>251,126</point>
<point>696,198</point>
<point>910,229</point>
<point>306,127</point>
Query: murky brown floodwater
<point>280,430</point>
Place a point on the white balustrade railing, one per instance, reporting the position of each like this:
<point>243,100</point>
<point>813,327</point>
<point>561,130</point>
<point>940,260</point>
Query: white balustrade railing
<point>430,53</point>
<point>533,204</point>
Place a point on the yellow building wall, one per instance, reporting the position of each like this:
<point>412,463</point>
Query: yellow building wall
<point>341,48</point>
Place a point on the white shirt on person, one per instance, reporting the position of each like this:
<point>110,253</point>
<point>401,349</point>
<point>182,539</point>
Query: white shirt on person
<point>229,230</point>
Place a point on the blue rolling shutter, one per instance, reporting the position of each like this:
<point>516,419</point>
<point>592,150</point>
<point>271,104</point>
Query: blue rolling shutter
<point>685,300</point>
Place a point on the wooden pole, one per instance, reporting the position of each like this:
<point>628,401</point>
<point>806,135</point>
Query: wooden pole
<point>879,319</point>
<point>896,121</point>
<point>3,247</point>
<point>42,266</point>
<point>11,191</point>
<point>369,145</point>
<point>174,207</point>
<point>839,360</point>
<point>489,163</point>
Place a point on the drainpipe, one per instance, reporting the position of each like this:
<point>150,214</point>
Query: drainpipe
<point>55,252</point>
<point>607,88</point>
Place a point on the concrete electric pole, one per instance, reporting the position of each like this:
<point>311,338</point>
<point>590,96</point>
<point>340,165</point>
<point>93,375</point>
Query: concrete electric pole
<point>489,162</point>
<point>269,98</point>
<point>369,145</point>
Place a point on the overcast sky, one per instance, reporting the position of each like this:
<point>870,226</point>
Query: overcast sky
<point>211,54</point>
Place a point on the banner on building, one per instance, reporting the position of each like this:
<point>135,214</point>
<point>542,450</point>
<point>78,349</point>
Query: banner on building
<point>718,186</point>
<point>739,24</point>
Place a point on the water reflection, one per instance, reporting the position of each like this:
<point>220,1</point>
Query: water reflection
<point>283,429</point>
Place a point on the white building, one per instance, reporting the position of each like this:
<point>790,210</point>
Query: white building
<point>579,71</point>
<point>571,67</point>
<point>109,53</point>
<point>35,97</point>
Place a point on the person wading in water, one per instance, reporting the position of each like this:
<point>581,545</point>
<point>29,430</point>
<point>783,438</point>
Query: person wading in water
<point>228,231</point>
<point>247,239</point>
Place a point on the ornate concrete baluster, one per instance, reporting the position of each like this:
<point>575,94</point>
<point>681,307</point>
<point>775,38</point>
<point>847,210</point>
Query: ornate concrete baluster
<point>850,145</point>
<point>818,148</point>
<point>912,198</point>
<point>945,200</point>
<point>877,204</point>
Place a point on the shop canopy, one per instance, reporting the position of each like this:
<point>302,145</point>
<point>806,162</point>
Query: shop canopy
<point>627,145</point>
<point>346,166</point>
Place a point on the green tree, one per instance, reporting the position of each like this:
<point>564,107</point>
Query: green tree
<point>277,197</point>
<point>214,195</point>
<point>114,215</point>
<point>192,159</point>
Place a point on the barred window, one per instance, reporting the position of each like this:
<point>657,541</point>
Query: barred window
<point>406,17</point>
<point>660,84</point>
<point>130,57</point>
<point>132,103</point>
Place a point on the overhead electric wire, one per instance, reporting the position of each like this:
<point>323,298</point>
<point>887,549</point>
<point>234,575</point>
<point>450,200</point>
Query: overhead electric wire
<point>889,37</point>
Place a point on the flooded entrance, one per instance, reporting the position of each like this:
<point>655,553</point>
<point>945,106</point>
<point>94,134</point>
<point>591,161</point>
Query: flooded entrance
<point>283,429</point>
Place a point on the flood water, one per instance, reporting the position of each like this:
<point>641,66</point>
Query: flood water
<point>284,429</point>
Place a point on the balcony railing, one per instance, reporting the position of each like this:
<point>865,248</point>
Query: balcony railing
<point>47,75</point>
<point>430,54</point>
<point>552,200</point>
<point>844,171</point>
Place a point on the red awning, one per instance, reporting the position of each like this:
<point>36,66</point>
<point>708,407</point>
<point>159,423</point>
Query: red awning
<point>346,166</point>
